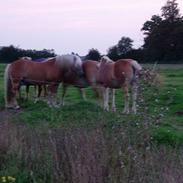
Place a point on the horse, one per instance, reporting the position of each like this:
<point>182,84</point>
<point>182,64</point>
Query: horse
<point>64,68</point>
<point>120,74</point>
<point>90,69</point>
<point>37,88</point>
<point>27,85</point>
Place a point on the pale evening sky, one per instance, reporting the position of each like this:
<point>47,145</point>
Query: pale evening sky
<point>74,25</point>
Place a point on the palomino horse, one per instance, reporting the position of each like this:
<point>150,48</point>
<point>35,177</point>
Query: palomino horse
<point>37,88</point>
<point>64,68</point>
<point>120,74</point>
<point>91,69</point>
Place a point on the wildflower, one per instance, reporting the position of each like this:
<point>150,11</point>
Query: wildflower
<point>161,115</point>
<point>167,108</point>
<point>3,179</point>
<point>12,179</point>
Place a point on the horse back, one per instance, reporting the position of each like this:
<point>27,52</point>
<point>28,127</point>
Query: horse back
<point>35,72</point>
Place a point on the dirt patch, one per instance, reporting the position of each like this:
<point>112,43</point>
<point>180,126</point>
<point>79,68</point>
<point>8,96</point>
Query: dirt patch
<point>5,115</point>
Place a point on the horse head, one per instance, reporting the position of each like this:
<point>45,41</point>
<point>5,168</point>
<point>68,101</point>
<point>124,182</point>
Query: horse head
<point>77,67</point>
<point>70,63</point>
<point>105,59</point>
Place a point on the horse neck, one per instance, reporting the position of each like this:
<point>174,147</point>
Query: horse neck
<point>106,65</point>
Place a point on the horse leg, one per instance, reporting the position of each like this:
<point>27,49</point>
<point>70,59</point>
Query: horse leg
<point>19,92</point>
<point>51,98</point>
<point>98,94</point>
<point>54,94</point>
<point>134,97</point>
<point>27,92</point>
<point>106,98</point>
<point>45,91</point>
<point>38,94</point>
<point>82,93</point>
<point>64,89</point>
<point>113,100</point>
<point>126,94</point>
<point>15,86</point>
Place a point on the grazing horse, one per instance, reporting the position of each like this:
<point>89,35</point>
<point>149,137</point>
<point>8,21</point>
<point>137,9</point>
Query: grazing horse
<point>64,68</point>
<point>120,74</point>
<point>38,88</point>
<point>91,69</point>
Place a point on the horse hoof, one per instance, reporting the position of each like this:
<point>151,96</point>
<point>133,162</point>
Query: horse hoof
<point>36,101</point>
<point>125,112</point>
<point>134,112</point>
<point>113,109</point>
<point>106,109</point>
<point>17,107</point>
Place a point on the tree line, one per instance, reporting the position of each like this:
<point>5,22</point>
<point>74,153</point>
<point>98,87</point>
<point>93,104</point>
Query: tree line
<point>11,53</point>
<point>163,39</point>
<point>163,42</point>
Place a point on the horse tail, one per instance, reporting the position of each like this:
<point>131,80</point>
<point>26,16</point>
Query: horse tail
<point>136,65</point>
<point>7,84</point>
<point>136,69</point>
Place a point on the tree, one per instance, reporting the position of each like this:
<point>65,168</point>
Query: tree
<point>164,35</point>
<point>11,53</point>
<point>124,45</point>
<point>93,54</point>
<point>150,25</point>
<point>121,49</point>
<point>170,11</point>
<point>113,53</point>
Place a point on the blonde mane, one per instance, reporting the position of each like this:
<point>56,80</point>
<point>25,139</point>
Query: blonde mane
<point>66,61</point>
<point>106,59</point>
<point>26,58</point>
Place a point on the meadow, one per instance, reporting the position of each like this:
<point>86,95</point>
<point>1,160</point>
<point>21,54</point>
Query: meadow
<point>81,143</point>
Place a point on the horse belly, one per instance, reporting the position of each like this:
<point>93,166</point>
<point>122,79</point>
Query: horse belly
<point>114,84</point>
<point>81,83</point>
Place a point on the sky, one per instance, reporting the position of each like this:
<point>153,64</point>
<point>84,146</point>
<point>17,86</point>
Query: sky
<point>74,25</point>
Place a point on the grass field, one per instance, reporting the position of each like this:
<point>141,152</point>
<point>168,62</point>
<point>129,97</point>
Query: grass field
<point>81,143</point>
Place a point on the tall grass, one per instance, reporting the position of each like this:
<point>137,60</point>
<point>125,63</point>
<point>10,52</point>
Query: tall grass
<point>81,143</point>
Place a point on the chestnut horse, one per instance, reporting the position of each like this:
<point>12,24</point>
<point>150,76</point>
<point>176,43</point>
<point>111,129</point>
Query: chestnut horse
<point>91,69</point>
<point>37,88</point>
<point>120,74</point>
<point>64,68</point>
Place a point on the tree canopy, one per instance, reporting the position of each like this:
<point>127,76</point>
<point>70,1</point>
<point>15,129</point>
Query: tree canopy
<point>11,53</point>
<point>119,50</point>
<point>93,54</point>
<point>163,40</point>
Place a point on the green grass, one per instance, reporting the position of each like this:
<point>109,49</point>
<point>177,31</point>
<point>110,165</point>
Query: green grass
<point>78,113</point>
<point>42,144</point>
